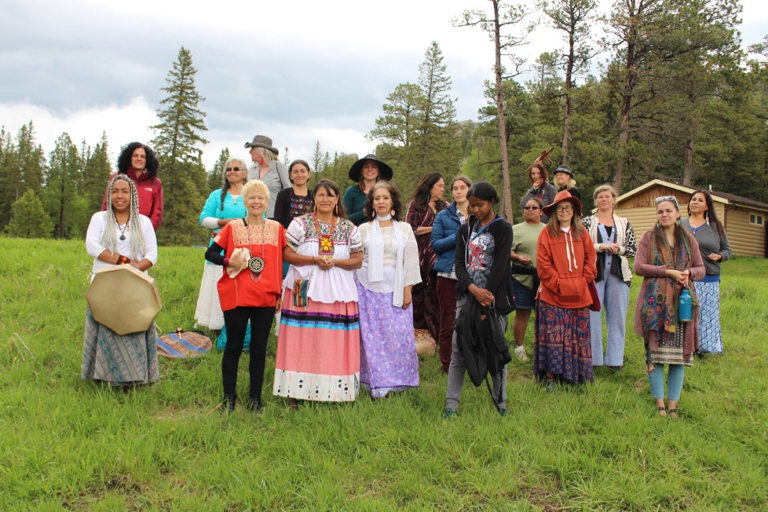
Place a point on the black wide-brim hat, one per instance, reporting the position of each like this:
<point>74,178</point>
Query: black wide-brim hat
<point>561,196</point>
<point>385,171</point>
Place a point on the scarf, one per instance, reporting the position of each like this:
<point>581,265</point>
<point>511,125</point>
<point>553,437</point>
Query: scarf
<point>376,258</point>
<point>659,310</point>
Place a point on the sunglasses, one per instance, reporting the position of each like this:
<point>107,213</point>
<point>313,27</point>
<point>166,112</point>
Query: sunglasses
<point>668,198</point>
<point>230,169</point>
<point>531,208</point>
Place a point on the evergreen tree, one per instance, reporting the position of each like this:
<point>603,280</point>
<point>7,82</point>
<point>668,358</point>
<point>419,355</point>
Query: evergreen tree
<point>216,176</point>
<point>28,218</point>
<point>178,136</point>
<point>96,175</point>
<point>61,187</point>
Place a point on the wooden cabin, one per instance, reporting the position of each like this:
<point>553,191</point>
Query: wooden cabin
<point>745,220</point>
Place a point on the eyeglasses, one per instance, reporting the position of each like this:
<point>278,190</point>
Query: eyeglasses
<point>230,169</point>
<point>531,208</point>
<point>564,208</point>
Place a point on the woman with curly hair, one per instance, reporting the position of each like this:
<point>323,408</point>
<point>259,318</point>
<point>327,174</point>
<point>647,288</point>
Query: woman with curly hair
<point>715,249</point>
<point>669,259</point>
<point>139,162</point>
<point>388,360</point>
<point>614,241</point>
<point>120,236</point>
<point>427,202</point>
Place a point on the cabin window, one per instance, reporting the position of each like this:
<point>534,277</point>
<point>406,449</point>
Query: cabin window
<point>755,219</point>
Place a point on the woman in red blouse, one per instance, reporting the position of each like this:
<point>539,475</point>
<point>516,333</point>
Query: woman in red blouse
<point>249,288</point>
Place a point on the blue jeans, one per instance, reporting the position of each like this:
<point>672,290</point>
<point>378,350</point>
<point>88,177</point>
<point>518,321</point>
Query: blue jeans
<point>614,300</point>
<point>674,381</point>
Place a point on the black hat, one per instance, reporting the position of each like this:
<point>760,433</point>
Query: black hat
<point>262,141</point>
<point>563,168</point>
<point>385,171</point>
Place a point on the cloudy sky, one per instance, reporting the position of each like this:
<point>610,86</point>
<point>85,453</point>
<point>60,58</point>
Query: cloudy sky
<point>298,71</point>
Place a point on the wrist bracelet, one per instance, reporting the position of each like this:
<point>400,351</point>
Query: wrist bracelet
<point>226,261</point>
<point>122,260</point>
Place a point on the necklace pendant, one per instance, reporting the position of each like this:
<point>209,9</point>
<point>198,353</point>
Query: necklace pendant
<point>122,237</point>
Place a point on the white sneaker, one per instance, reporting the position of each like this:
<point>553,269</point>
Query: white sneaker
<point>520,353</point>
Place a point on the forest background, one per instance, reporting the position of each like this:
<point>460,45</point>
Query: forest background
<point>677,97</point>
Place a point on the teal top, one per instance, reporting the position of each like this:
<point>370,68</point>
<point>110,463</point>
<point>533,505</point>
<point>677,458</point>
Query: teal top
<point>354,201</point>
<point>233,209</point>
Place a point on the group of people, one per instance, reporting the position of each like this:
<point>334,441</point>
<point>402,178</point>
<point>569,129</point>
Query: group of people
<point>352,275</point>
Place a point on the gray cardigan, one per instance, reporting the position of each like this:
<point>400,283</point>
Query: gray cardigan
<point>710,242</point>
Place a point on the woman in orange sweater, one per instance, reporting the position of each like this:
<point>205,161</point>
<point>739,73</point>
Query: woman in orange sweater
<point>565,260</point>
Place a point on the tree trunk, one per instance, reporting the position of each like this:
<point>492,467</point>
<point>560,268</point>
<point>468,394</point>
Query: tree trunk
<point>626,104</point>
<point>688,165</point>
<point>503,137</point>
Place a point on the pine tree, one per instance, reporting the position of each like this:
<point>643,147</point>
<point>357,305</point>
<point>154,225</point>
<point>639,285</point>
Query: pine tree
<point>178,136</point>
<point>28,218</point>
<point>216,176</point>
<point>96,175</point>
<point>61,186</point>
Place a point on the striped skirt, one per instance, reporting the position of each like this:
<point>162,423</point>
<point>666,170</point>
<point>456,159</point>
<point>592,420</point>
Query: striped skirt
<point>121,360</point>
<point>710,334</point>
<point>563,345</point>
<point>318,351</point>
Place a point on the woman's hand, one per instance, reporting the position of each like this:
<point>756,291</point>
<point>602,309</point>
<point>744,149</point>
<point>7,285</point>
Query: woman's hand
<point>279,304</point>
<point>324,262</point>
<point>715,256</point>
<point>611,248</point>
<point>407,297</point>
<point>680,276</point>
<point>237,261</point>
<point>483,296</point>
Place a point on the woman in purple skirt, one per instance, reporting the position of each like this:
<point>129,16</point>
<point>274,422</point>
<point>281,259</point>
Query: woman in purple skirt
<point>388,360</point>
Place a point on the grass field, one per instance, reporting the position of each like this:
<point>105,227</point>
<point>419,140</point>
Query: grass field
<point>66,444</point>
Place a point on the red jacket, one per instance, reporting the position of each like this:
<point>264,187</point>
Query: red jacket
<point>150,191</point>
<point>565,266</point>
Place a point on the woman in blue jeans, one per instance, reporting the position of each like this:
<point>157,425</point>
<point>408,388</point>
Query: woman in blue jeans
<point>614,241</point>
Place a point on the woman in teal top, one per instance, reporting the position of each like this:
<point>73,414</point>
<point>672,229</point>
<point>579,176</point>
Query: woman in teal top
<point>222,206</point>
<point>365,173</point>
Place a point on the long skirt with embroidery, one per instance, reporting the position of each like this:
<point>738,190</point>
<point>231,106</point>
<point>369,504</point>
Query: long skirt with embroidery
<point>388,360</point>
<point>563,345</point>
<point>710,334</point>
<point>669,347</point>
<point>318,351</point>
<point>118,359</point>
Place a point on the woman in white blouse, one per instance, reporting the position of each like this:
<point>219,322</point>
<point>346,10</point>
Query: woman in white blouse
<point>388,360</point>
<point>120,236</point>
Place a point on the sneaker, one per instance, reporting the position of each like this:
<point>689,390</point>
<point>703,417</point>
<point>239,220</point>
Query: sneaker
<point>503,411</point>
<point>520,353</point>
<point>449,413</point>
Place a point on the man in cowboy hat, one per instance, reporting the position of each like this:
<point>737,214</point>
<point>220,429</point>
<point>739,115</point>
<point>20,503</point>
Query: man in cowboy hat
<point>267,168</point>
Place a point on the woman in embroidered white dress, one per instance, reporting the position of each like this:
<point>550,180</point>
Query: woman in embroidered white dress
<point>318,348</point>
<point>388,360</point>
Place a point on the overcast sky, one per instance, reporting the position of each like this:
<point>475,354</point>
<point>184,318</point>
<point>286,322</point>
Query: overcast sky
<point>298,71</point>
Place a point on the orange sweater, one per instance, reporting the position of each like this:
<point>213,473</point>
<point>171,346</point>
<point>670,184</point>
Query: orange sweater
<point>565,266</point>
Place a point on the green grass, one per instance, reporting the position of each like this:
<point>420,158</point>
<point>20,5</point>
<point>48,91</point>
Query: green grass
<point>66,444</point>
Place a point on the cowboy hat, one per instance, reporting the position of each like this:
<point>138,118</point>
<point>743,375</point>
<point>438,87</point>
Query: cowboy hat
<point>385,171</point>
<point>262,141</point>
<point>561,196</point>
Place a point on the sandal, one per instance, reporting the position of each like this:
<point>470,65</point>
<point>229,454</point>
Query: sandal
<point>673,414</point>
<point>662,411</point>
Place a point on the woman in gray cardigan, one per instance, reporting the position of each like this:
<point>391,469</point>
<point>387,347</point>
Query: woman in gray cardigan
<point>702,221</point>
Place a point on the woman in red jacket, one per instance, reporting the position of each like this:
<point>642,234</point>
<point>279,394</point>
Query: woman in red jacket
<point>565,260</point>
<point>139,162</point>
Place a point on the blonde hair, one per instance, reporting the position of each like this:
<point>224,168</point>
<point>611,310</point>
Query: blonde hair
<point>258,186</point>
<point>604,188</point>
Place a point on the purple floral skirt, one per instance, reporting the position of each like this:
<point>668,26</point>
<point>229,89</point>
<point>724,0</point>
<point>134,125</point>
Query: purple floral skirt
<point>562,347</point>
<point>388,360</point>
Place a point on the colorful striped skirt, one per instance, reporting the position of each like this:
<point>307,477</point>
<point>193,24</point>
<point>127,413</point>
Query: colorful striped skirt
<point>710,334</point>
<point>121,360</point>
<point>318,351</point>
<point>563,344</point>
<point>388,360</point>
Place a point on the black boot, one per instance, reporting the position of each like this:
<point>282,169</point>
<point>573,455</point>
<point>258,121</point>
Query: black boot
<point>228,404</point>
<point>255,405</point>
